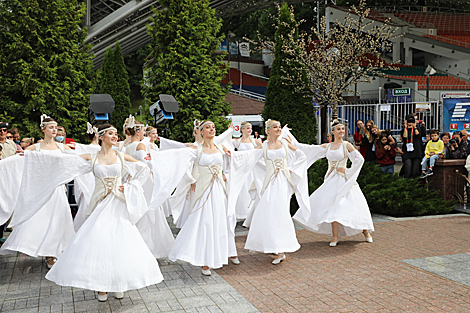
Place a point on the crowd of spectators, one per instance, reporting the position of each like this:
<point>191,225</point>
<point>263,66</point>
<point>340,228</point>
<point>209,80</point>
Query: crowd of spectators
<point>419,150</point>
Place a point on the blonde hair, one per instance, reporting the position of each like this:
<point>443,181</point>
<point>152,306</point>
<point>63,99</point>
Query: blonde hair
<point>244,124</point>
<point>149,129</point>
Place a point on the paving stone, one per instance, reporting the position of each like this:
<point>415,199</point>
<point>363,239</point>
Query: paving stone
<point>194,302</point>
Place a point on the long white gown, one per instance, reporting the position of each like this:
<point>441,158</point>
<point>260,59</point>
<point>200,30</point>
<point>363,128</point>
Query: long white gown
<point>153,226</point>
<point>206,238</point>
<point>339,199</point>
<point>83,186</point>
<point>108,252</point>
<point>246,199</point>
<point>271,226</point>
<point>49,230</point>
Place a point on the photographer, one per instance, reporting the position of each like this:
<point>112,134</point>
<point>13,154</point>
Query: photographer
<point>358,138</point>
<point>412,147</point>
<point>385,153</point>
<point>457,147</point>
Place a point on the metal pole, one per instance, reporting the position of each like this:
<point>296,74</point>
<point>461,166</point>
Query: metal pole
<point>318,16</point>
<point>228,50</point>
<point>140,108</point>
<point>427,88</point>
<point>241,80</point>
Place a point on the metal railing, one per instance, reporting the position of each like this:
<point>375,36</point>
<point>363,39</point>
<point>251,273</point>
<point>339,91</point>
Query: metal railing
<point>387,115</point>
<point>248,94</point>
<point>245,92</point>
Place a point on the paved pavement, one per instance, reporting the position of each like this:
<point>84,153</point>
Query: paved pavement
<point>414,265</point>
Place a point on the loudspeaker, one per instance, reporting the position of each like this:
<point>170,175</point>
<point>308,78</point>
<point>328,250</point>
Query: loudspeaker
<point>101,103</point>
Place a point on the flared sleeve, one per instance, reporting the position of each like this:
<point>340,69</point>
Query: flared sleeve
<point>241,165</point>
<point>225,139</point>
<point>85,184</point>
<point>312,152</point>
<point>297,164</point>
<point>351,173</point>
<point>168,144</point>
<point>11,172</point>
<point>42,174</point>
<point>135,200</point>
<point>169,167</point>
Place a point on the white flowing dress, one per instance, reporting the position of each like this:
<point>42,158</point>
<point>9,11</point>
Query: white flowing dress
<point>271,226</point>
<point>153,226</point>
<point>49,231</point>
<point>206,238</point>
<point>108,253</point>
<point>351,211</point>
<point>246,199</point>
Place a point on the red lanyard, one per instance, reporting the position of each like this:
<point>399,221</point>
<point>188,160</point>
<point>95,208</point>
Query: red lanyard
<point>412,131</point>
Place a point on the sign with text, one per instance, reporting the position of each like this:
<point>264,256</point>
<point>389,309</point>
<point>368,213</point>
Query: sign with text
<point>401,92</point>
<point>456,113</point>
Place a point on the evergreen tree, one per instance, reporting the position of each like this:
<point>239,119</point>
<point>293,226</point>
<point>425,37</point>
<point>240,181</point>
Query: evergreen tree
<point>115,82</point>
<point>186,66</point>
<point>45,67</point>
<point>285,102</point>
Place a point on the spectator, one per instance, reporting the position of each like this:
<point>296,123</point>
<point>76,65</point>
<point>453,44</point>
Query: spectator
<point>385,153</point>
<point>445,137</point>
<point>358,138</point>
<point>458,147</point>
<point>8,146</point>
<point>11,136</point>
<point>328,137</point>
<point>68,141</point>
<point>26,142</point>
<point>16,135</point>
<point>256,135</point>
<point>434,148</point>
<point>60,136</point>
<point>465,138</point>
<point>412,147</point>
<point>369,140</point>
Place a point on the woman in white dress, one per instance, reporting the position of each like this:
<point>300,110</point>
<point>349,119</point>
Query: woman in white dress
<point>338,206</point>
<point>108,253</point>
<point>206,238</point>
<point>153,226</point>
<point>85,184</point>
<point>271,226</point>
<point>151,136</point>
<point>245,199</point>
<point>48,232</point>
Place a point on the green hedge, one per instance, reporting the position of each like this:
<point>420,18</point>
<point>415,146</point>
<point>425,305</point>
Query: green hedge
<point>388,194</point>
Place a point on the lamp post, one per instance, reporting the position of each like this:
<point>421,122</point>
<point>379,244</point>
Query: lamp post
<point>140,108</point>
<point>428,72</point>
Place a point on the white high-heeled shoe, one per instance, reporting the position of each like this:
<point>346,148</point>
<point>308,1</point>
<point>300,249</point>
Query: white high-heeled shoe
<point>334,243</point>
<point>369,239</point>
<point>119,295</point>
<point>206,272</point>
<point>102,298</point>
<point>279,260</point>
<point>235,261</point>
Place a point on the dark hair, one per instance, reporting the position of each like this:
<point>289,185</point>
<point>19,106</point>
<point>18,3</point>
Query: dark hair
<point>90,137</point>
<point>445,134</point>
<point>37,138</point>
<point>379,140</point>
<point>433,131</point>
<point>410,118</point>
<point>100,128</point>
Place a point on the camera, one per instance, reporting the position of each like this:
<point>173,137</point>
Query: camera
<point>454,140</point>
<point>410,118</point>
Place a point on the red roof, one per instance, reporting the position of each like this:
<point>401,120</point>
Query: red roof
<point>244,106</point>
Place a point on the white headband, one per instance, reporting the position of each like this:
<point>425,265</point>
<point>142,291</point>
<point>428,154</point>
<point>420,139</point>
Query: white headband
<point>243,126</point>
<point>103,131</point>
<point>91,129</point>
<point>44,124</point>
<point>201,127</point>
<point>268,127</point>
<point>152,130</point>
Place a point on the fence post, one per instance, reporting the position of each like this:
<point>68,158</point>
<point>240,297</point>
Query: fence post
<point>378,121</point>
<point>241,80</point>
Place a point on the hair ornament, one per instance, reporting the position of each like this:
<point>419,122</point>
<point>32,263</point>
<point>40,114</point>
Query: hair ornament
<point>335,123</point>
<point>44,124</point>
<point>103,131</point>
<point>270,123</point>
<point>91,129</point>
<point>201,126</point>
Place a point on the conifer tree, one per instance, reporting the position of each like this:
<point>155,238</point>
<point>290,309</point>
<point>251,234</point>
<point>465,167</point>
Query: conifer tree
<point>45,67</point>
<point>283,100</point>
<point>115,82</point>
<point>185,64</point>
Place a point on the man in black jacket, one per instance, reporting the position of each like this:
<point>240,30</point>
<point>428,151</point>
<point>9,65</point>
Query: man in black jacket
<point>457,147</point>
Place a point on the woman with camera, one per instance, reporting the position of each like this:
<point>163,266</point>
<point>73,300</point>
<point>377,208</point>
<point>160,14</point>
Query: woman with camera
<point>412,147</point>
<point>385,153</point>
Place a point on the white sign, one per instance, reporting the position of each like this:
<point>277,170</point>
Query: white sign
<point>424,107</point>
<point>385,107</point>
<point>244,48</point>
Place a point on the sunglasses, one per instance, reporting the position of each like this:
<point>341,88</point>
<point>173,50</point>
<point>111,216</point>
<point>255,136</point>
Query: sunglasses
<point>3,130</point>
<point>9,137</point>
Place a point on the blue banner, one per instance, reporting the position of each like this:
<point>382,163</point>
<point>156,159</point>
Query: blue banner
<point>456,114</point>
